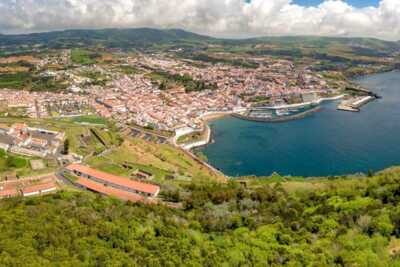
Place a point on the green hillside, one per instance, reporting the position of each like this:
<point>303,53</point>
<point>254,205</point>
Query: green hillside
<point>345,222</point>
<point>144,38</point>
<point>111,38</point>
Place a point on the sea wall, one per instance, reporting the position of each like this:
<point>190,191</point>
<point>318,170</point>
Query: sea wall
<point>278,119</point>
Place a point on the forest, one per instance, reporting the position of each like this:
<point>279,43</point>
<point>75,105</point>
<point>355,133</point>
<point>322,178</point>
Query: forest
<point>255,222</point>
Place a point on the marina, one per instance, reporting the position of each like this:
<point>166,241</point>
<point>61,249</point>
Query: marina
<point>277,115</point>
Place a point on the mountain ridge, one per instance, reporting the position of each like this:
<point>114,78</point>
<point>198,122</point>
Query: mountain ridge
<point>156,40</point>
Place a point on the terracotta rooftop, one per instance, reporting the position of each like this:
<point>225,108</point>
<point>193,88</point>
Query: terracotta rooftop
<point>110,191</point>
<point>8,192</point>
<point>138,186</point>
<point>39,187</point>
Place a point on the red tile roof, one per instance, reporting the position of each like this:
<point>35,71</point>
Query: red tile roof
<point>39,187</point>
<point>110,191</point>
<point>8,192</point>
<point>138,186</point>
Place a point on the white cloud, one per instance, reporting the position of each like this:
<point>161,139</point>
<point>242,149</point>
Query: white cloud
<point>233,18</point>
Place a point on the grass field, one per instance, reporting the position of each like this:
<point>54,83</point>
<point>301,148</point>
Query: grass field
<point>160,160</point>
<point>13,80</point>
<point>19,166</point>
<point>8,162</point>
<point>128,70</point>
<point>82,57</point>
<point>91,119</point>
<point>190,138</point>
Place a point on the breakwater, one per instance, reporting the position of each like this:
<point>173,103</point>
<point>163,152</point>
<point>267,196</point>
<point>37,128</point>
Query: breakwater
<point>276,119</point>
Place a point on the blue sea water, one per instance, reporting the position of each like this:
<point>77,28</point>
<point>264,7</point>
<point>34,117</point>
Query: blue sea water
<point>329,142</point>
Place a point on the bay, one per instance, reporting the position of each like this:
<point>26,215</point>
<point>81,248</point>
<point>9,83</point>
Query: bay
<point>329,142</point>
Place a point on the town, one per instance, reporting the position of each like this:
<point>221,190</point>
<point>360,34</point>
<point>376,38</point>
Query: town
<point>167,93</point>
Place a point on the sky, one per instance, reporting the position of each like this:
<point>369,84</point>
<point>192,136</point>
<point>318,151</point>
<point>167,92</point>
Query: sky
<point>220,18</point>
<point>355,3</point>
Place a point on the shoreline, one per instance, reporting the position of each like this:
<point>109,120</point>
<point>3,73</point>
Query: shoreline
<point>318,101</point>
<point>212,116</point>
<point>301,115</point>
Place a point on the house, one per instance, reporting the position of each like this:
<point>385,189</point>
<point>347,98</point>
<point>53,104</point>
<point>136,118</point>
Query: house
<point>143,175</point>
<point>8,192</point>
<point>28,187</point>
<point>39,189</point>
<point>21,139</point>
<point>87,176</point>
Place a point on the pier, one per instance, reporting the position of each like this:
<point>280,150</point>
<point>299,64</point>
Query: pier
<point>355,104</point>
<point>297,116</point>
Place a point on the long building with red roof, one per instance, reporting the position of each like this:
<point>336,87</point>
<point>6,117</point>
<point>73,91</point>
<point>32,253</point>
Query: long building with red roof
<point>109,191</point>
<point>26,187</point>
<point>110,184</point>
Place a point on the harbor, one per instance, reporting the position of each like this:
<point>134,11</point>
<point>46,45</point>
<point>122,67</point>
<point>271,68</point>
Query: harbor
<point>355,103</point>
<point>328,143</point>
<point>277,115</point>
<point>283,113</point>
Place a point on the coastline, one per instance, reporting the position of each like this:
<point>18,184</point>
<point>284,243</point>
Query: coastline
<point>212,116</point>
<point>354,122</point>
<point>318,101</point>
<point>281,119</point>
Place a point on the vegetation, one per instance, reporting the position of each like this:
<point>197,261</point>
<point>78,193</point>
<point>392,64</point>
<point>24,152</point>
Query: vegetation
<point>65,150</point>
<point>235,61</point>
<point>9,162</point>
<point>90,119</point>
<point>346,222</point>
<point>191,138</point>
<point>14,80</point>
<point>30,81</point>
<point>12,166</point>
<point>160,160</point>
<point>45,84</point>
<point>96,77</point>
<point>83,57</point>
<point>129,70</point>
<point>167,81</point>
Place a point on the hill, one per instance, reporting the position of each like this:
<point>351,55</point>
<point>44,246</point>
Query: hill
<point>149,38</point>
<point>343,222</point>
<point>111,38</point>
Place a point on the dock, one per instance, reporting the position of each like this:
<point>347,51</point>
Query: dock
<point>343,107</point>
<point>355,104</point>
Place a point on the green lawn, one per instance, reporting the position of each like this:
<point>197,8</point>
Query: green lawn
<point>92,119</point>
<point>9,162</point>
<point>160,160</point>
<point>14,81</point>
<point>83,57</point>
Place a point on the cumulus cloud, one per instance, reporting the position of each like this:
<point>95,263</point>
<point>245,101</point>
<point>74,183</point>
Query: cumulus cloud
<point>226,18</point>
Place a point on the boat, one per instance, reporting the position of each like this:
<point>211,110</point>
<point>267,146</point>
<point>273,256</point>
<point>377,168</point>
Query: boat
<point>260,115</point>
<point>282,112</point>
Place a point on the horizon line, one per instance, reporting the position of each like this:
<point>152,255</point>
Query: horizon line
<point>200,34</point>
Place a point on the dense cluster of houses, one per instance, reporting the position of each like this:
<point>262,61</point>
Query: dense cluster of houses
<point>28,141</point>
<point>28,187</point>
<point>136,98</point>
